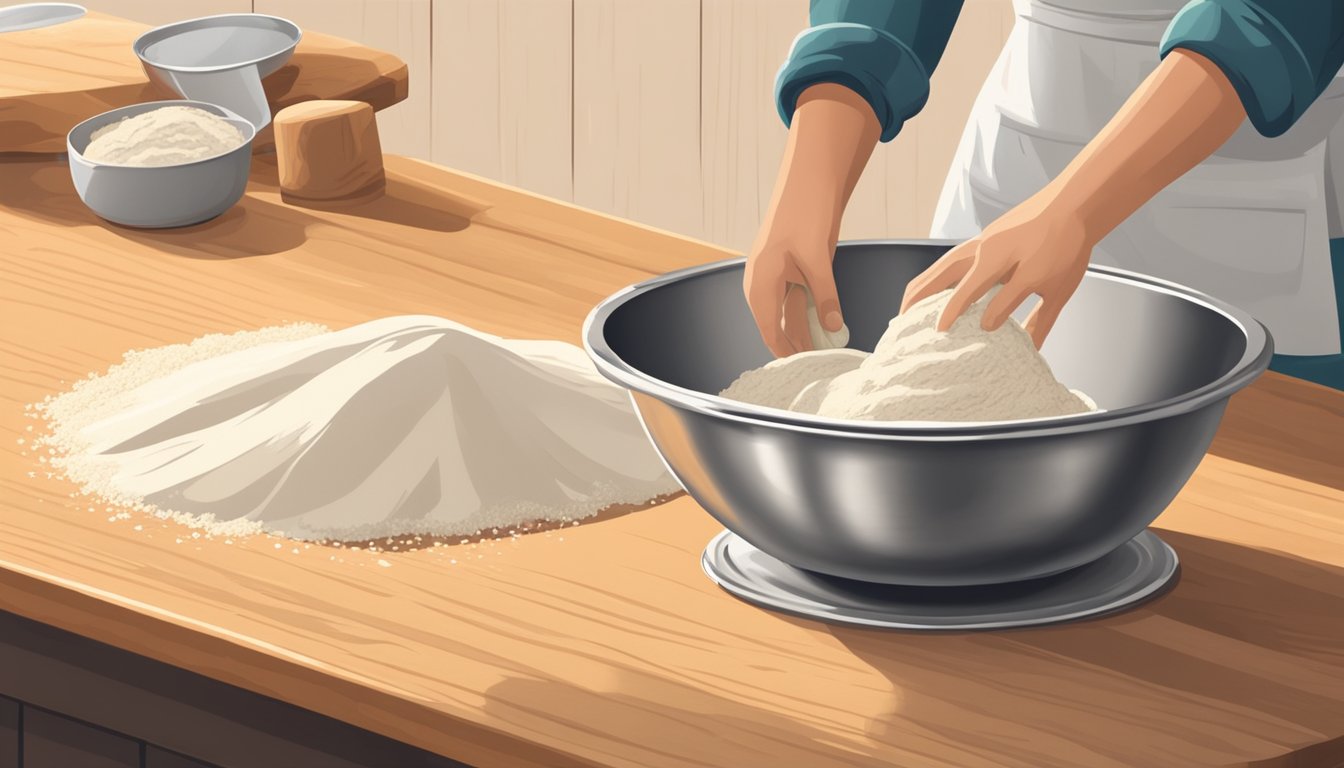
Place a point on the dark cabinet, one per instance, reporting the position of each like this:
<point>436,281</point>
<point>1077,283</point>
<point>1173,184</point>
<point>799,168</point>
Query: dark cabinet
<point>69,702</point>
<point>52,741</point>
<point>162,758</point>
<point>9,733</point>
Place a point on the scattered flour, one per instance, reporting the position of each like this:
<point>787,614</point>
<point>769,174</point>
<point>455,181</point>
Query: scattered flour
<point>399,426</point>
<point>164,136</point>
<point>917,373</point>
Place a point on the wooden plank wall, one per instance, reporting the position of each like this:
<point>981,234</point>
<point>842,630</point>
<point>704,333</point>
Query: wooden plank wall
<point>502,85</point>
<point>637,111</point>
<point>400,26</point>
<point>660,111</point>
<point>161,12</point>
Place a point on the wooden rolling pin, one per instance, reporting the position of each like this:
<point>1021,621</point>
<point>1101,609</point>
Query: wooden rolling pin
<point>328,152</point>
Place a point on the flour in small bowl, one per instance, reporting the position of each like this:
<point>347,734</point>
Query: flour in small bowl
<point>918,373</point>
<point>165,136</point>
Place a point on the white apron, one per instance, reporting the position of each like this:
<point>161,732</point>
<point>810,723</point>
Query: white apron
<point>1250,225</point>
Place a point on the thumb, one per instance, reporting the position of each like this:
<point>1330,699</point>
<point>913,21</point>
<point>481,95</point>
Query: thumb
<point>821,283</point>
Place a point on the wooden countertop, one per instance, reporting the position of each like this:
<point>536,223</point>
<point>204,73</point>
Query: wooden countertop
<point>604,644</point>
<point>56,77</point>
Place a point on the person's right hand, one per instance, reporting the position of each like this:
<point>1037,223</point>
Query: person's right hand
<point>791,252</point>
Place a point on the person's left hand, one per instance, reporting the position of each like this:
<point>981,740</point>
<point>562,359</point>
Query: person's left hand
<point>1038,248</point>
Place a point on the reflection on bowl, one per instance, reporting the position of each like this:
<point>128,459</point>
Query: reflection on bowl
<point>924,503</point>
<point>161,196</point>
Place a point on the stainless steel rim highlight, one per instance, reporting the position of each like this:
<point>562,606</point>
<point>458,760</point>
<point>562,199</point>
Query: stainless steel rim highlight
<point>168,30</point>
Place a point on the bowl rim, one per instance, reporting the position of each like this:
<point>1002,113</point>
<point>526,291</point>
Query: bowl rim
<point>236,120</point>
<point>44,22</point>
<point>1254,360</point>
<point>165,31</point>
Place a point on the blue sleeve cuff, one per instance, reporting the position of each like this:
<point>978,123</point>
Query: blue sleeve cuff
<point>1263,62</point>
<point>868,61</point>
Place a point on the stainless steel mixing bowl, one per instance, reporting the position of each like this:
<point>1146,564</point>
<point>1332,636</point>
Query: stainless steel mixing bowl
<point>923,503</point>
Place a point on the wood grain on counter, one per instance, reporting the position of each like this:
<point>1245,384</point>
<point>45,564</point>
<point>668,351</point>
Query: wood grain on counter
<point>604,644</point>
<point>56,77</point>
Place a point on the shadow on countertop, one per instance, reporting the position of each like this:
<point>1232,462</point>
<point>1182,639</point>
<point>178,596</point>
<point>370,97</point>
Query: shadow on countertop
<point>403,203</point>
<point>1255,635</point>
<point>41,190</point>
<point>1286,426</point>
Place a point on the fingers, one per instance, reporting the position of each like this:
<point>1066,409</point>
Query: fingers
<point>981,277</point>
<point>820,276</point>
<point>1054,297</point>
<point>1043,318</point>
<point>765,298</point>
<point>943,274</point>
<point>1004,303</point>
<point>795,318</point>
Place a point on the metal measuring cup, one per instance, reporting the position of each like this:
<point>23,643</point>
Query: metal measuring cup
<point>220,59</point>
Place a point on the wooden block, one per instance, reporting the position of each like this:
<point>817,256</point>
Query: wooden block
<point>56,77</point>
<point>52,741</point>
<point>329,151</point>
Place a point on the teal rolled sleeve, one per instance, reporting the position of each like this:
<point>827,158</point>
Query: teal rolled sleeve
<point>884,52</point>
<point>1279,55</point>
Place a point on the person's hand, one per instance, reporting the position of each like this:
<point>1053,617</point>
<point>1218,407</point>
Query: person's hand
<point>833,132</point>
<point>1038,248</point>
<point>791,252</point>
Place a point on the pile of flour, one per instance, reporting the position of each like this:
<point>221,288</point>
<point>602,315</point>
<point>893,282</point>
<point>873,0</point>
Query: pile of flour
<point>404,425</point>
<point>164,136</point>
<point>918,373</point>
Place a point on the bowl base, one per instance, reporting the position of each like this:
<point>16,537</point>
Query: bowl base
<point>1136,571</point>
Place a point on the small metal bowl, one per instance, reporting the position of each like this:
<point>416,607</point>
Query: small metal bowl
<point>160,196</point>
<point>220,59</point>
<point>932,503</point>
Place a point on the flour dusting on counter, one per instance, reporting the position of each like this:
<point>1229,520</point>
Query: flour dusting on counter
<point>399,426</point>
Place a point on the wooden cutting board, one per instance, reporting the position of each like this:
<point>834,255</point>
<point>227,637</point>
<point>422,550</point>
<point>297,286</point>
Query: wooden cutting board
<point>52,78</point>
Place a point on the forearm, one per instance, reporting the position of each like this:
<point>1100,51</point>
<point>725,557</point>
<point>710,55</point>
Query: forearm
<point>832,136</point>
<point>1179,116</point>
